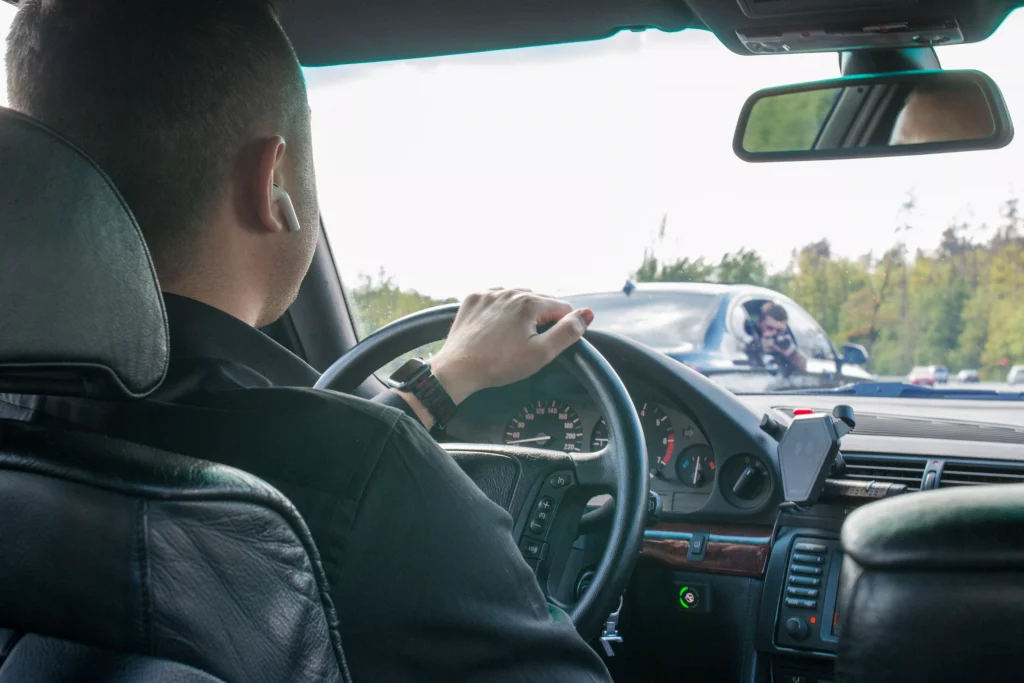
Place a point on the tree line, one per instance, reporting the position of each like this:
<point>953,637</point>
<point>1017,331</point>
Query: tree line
<point>954,305</point>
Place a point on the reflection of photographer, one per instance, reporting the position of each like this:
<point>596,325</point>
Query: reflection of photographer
<point>774,337</point>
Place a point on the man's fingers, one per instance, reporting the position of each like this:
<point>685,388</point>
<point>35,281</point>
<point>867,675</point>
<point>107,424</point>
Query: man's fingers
<point>550,310</point>
<point>564,333</point>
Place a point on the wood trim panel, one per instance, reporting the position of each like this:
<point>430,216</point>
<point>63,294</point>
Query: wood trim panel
<point>733,550</point>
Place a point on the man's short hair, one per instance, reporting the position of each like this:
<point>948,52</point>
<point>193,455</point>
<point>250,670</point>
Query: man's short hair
<point>162,94</point>
<point>775,312</point>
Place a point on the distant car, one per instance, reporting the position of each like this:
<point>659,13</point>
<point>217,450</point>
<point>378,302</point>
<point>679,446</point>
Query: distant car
<point>940,373</point>
<point>1015,375</point>
<point>967,375</point>
<point>710,327</point>
<point>923,375</point>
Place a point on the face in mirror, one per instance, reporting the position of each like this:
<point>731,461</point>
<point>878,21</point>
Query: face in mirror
<point>891,114</point>
<point>943,113</point>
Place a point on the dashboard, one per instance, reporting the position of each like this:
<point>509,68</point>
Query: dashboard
<point>552,410</point>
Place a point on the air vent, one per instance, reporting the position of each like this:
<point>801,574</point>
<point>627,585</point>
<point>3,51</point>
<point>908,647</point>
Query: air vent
<point>980,473</point>
<point>896,469</point>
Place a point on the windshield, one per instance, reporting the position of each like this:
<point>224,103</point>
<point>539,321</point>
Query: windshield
<point>575,168</point>
<point>579,167</point>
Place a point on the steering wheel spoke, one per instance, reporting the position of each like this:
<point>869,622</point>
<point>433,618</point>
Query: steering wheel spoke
<point>597,471</point>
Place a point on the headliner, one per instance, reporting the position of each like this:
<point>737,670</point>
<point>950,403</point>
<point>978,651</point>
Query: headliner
<point>328,32</point>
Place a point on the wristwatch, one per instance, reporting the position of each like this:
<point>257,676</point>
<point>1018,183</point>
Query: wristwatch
<point>416,378</point>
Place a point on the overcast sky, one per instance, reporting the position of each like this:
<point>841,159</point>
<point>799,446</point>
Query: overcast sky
<point>551,168</point>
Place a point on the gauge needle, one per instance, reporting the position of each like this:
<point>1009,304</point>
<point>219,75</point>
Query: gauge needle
<point>534,439</point>
<point>696,473</point>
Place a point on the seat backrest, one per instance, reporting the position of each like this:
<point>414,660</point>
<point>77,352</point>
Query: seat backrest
<point>932,588</point>
<point>117,561</point>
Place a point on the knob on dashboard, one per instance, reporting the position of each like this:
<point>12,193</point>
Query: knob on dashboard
<point>797,628</point>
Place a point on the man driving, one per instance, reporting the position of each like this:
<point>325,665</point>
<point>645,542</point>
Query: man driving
<point>197,110</point>
<point>774,337</point>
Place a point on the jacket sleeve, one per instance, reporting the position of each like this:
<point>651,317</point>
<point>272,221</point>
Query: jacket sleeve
<point>434,587</point>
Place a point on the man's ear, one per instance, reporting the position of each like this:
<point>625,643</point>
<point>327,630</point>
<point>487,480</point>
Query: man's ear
<point>267,194</point>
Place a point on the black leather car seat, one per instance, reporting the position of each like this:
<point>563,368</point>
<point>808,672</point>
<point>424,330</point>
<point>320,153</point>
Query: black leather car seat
<point>932,588</point>
<point>120,562</point>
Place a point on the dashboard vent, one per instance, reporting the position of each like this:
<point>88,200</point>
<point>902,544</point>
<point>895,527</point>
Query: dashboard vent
<point>980,473</point>
<point>896,469</point>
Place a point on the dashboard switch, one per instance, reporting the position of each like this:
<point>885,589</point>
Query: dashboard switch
<point>698,546</point>
<point>816,548</point>
<point>797,628</point>
<point>804,581</point>
<point>805,569</point>
<point>804,558</point>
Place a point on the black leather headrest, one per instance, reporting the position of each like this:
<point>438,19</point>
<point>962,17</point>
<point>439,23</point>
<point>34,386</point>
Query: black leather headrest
<point>932,588</point>
<point>80,310</point>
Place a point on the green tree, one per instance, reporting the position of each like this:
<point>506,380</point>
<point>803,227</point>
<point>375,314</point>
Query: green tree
<point>787,123</point>
<point>744,267</point>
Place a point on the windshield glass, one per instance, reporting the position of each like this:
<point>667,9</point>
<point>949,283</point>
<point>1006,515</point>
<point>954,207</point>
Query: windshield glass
<point>573,168</point>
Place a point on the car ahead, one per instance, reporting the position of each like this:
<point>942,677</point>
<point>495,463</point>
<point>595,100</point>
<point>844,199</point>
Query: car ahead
<point>940,373</point>
<point>922,375</point>
<point>968,375</point>
<point>713,328</point>
<point>1015,375</point>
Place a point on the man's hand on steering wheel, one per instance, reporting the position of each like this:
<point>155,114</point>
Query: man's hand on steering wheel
<point>495,341</point>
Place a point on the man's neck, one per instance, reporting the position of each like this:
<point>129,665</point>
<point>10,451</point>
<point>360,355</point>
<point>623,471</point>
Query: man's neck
<point>234,305</point>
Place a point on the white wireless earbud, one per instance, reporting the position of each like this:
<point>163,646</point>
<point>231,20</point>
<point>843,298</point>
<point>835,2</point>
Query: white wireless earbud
<point>282,198</point>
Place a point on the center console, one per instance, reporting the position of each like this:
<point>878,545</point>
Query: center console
<point>798,618</point>
<point>807,615</point>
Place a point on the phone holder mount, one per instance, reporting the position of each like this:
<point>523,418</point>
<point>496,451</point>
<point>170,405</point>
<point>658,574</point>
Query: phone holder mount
<point>809,451</point>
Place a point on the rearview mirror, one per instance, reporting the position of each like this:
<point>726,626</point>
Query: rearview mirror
<point>897,114</point>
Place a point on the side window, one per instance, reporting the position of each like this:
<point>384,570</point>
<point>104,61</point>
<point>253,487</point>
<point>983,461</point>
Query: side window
<point>807,332</point>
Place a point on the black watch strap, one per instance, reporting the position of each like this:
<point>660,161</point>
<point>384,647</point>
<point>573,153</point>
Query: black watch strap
<point>416,378</point>
<point>434,397</point>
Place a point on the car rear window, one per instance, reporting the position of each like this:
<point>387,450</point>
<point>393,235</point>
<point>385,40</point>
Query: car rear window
<point>667,321</point>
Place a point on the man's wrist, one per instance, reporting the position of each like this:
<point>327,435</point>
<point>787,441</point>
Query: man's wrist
<point>418,408</point>
<point>452,380</point>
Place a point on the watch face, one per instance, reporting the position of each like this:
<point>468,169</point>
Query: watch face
<point>409,371</point>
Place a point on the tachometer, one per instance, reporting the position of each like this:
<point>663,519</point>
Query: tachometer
<point>546,424</point>
<point>658,434</point>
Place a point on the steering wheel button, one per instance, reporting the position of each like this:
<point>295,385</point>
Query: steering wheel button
<point>533,549</point>
<point>546,504</point>
<point>559,480</point>
<point>536,527</point>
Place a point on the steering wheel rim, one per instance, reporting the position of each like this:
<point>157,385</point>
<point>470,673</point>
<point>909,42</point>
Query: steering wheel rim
<point>621,466</point>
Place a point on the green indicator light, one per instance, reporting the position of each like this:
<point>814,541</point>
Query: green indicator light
<point>682,600</point>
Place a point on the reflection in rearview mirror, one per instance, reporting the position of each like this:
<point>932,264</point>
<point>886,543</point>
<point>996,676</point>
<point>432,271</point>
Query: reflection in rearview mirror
<point>891,114</point>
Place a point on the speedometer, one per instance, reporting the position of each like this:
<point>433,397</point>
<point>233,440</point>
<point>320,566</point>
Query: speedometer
<point>549,424</point>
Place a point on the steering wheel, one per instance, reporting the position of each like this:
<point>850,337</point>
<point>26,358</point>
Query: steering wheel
<point>545,491</point>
